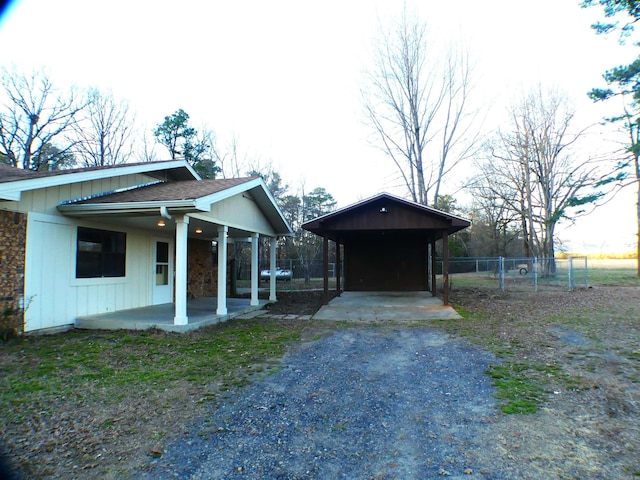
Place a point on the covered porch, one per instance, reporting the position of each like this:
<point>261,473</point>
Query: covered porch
<point>201,312</point>
<point>182,227</point>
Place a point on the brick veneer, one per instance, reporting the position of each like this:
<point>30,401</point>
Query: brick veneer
<point>202,270</point>
<point>13,234</point>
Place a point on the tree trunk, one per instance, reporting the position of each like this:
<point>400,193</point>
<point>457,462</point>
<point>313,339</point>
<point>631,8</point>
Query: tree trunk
<point>638,220</point>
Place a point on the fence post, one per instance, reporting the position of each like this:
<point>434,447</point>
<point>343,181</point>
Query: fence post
<point>586,272</point>
<point>570,275</point>
<point>501,272</point>
<point>535,274</point>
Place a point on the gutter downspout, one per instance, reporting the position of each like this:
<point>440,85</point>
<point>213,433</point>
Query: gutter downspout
<point>165,213</point>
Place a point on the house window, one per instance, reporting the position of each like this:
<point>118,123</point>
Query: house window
<point>101,253</point>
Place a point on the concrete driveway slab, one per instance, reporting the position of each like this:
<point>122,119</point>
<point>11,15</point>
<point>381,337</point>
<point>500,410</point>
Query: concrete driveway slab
<point>381,306</point>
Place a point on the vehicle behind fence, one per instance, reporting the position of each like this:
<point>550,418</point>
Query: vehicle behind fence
<point>291,274</point>
<point>503,273</point>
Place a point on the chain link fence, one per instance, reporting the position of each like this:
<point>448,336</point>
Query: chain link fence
<point>525,274</point>
<point>502,273</point>
<point>291,274</point>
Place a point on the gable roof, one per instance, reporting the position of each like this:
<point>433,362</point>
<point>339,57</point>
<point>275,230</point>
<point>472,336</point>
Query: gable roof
<point>181,197</point>
<point>385,212</point>
<point>14,181</point>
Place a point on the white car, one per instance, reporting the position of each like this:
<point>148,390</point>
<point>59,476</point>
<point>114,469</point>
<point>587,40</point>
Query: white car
<point>281,274</point>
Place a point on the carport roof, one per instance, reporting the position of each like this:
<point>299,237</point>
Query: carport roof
<point>385,212</point>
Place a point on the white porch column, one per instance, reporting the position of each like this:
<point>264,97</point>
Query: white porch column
<point>254,269</point>
<point>182,231</point>
<point>222,270</point>
<point>272,266</point>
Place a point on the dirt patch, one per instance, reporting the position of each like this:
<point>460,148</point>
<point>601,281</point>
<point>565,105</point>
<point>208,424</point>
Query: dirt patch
<point>588,426</point>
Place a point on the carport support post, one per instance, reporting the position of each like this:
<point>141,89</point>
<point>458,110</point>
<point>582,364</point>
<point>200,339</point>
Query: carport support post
<point>325,267</point>
<point>182,232</point>
<point>272,267</point>
<point>445,267</point>
<point>254,270</point>
<point>434,290</point>
<point>338,268</point>
<point>222,270</point>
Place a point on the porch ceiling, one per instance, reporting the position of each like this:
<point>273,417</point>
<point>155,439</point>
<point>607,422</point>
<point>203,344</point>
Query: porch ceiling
<point>150,223</point>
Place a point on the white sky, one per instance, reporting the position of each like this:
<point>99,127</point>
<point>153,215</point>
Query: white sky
<point>284,76</point>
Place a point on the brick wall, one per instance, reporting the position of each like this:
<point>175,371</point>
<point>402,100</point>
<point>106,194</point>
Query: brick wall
<point>202,270</point>
<point>13,234</point>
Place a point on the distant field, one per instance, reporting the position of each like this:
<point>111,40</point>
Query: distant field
<point>612,263</point>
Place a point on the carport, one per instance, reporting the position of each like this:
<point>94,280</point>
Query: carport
<point>388,243</point>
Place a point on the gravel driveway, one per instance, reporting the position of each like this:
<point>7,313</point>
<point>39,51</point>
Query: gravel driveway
<point>360,403</point>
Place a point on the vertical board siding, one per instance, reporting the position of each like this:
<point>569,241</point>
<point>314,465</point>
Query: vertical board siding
<point>55,297</point>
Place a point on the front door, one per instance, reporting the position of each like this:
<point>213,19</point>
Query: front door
<point>162,289</point>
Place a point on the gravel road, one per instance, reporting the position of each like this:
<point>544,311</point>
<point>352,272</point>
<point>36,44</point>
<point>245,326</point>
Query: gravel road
<point>359,403</point>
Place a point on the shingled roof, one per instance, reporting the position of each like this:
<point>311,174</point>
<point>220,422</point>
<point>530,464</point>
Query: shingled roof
<point>169,191</point>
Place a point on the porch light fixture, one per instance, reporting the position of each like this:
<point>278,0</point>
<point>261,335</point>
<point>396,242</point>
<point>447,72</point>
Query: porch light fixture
<point>161,223</point>
<point>384,210</point>
<point>198,230</point>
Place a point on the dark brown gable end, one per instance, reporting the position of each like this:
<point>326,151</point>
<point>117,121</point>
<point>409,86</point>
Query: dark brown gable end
<point>386,243</point>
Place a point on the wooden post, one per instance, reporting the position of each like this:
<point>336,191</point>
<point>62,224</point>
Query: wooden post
<point>182,234</point>
<point>222,270</point>
<point>325,267</point>
<point>445,267</point>
<point>272,267</point>
<point>427,264</point>
<point>255,278</point>
<point>338,268</point>
<point>434,290</point>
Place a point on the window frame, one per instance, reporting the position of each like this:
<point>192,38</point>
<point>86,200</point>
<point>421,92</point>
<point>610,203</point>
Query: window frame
<point>100,253</point>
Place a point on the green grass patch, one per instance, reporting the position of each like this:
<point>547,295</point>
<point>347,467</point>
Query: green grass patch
<point>68,365</point>
<point>518,389</point>
<point>605,276</point>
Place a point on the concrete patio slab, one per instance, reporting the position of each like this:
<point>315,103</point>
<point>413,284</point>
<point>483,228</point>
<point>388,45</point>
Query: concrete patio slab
<point>380,306</point>
<point>201,312</point>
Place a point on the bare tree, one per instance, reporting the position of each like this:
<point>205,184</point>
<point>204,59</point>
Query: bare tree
<point>103,134</point>
<point>533,170</point>
<point>33,118</point>
<point>417,105</point>
<point>147,151</point>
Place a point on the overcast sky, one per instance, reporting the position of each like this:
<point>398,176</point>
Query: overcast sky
<point>284,76</point>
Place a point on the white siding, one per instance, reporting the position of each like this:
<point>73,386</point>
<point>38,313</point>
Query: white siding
<point>239,211</point>
<point>47,199</point>
<point>54,297</point>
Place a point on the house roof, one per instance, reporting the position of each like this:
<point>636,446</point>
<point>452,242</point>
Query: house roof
<point>167,191</point>
<point>385,212</point>
<point>180,197</point>
<point>14,181</point>
<point>179,189</point>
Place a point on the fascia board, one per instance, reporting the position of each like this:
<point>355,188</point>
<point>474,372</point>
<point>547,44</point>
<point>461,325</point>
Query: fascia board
<point>10,195</point>
<point>63,179</point>
<point>276,208</point>
<point>183,206</point>
<point>204,203</point>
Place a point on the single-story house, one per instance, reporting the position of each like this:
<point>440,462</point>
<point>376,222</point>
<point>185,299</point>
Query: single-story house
<point>389,244</point>
<point>95,240</point>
